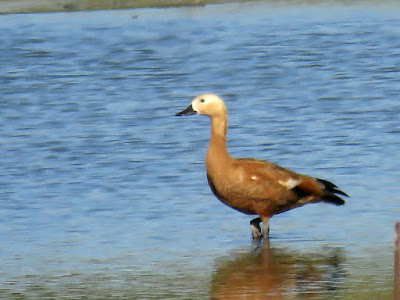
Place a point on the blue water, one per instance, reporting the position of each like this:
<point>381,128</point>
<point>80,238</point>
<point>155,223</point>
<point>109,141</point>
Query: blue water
<point>103,191</point>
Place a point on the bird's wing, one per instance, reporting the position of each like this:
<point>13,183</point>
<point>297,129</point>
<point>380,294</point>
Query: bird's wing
<point>268,180</point>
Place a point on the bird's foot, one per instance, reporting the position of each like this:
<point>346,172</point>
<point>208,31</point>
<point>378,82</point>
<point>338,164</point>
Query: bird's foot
<point>256,229</point>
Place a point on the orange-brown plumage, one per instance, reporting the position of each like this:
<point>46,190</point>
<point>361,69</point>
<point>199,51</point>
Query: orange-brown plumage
<point>252,186</point>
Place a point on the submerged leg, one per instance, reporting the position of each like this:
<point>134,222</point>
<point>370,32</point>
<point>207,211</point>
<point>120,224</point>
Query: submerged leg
<point>265,229</point>
<point>256,229</point>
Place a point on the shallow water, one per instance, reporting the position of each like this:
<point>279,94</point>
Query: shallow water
<point>103,191</point>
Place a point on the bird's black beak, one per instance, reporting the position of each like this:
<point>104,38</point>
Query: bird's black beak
<point>187,112</point>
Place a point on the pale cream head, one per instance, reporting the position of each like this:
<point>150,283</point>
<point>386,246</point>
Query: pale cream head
<point>210,105</point>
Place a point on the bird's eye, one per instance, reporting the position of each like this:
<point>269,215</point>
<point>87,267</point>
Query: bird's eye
<point>202,100</point>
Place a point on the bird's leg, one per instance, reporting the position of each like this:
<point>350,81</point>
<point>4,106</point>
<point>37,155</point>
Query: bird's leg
<point>265,229</point>
<point>256,229</point>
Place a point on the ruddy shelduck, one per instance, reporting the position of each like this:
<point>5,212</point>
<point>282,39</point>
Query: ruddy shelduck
<point>252,186</point>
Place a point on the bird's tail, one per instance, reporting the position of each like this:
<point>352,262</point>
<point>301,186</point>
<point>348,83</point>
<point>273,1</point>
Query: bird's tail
<point>331,192</point>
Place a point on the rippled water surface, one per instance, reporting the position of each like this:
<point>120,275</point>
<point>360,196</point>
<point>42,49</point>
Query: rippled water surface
<point>103,192</point>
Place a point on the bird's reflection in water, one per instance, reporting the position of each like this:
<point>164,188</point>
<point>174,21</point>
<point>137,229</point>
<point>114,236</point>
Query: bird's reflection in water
<point>273,273</point>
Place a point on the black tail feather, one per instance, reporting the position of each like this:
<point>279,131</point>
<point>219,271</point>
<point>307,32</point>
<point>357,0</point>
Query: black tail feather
<point>334,199</point>
<point>332,189</point>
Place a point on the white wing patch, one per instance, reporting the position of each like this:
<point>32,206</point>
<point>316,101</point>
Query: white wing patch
<point>254,177</point>
<point>290,183</point>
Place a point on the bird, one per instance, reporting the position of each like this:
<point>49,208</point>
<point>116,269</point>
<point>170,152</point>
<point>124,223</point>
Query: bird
<point>254,186</point>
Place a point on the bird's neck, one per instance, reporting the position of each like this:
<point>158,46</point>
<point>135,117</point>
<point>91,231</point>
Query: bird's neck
<point>217,154</point>
<point>219,126</point>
